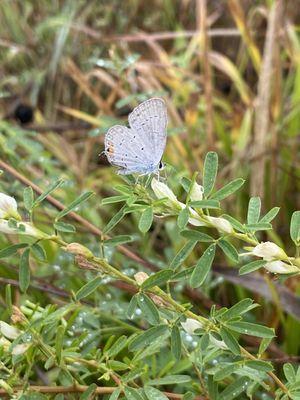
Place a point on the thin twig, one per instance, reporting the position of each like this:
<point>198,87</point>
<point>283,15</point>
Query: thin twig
<point>157,36</point>
<point>82,389</point>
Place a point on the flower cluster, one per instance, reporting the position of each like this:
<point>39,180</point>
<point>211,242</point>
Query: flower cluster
<point>162,191</point>
<point>277,260</point>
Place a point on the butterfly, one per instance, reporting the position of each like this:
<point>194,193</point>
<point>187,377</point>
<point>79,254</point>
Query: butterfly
<point>139,148</point>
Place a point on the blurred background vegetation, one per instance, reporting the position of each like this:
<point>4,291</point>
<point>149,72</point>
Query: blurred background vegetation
<point>229,71</point>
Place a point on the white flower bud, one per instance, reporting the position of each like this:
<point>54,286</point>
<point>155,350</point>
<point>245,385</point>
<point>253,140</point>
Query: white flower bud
<point>8,207</point>
<point>218,343</point>
<point>29,229</point>
<point>4,343</point>
<point>196,192</point>
<point>20,349</point>
<point>195,219</point>
<point>221,224</point>
<point>162,191</point>
<point>280,267</point>
<point>190,325</point>
<point>79,249</point>
<point>140,277</point>
<point>9,331</point>
<point>269,251</point>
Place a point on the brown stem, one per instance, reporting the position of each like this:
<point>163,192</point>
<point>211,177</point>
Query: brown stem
<point>82,389</point>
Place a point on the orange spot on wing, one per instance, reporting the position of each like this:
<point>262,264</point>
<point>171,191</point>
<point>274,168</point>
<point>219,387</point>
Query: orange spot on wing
<point>111,149</point>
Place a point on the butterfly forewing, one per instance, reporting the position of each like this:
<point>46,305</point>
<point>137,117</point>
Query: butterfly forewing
<point>149,119</point>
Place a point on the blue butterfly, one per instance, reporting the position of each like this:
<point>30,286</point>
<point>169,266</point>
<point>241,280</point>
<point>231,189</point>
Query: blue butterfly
<point>139,149</point>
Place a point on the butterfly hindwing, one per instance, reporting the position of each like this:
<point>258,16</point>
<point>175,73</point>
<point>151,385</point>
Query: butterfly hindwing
<point>123,149</point>
<point>139,149</point>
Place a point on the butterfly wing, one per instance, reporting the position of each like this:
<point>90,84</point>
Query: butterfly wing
<point>149,120</point>
<point>126,149</point>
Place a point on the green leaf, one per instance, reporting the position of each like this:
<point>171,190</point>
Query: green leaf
<point>233,390</point>
<point>176,342</point>
<point>270,215</point>
<point>182,275</point>
<point>196,235</point>
<point>205,204</point>
<point>148,309</point>
<point>228,189</point>
<point>252,266</point>
<point>46,193</point>
<point>238,309</point>
<point>148,337</point>
<point>260,226</point>
<point>289,373</point>
<point>132,394</point>
<point>132,307</point>
<point>89,393</point>
<point>38,251</point>
<point>229,250</point>
<point>115,395</point>
<point>115,365</point>
<point>225,371</point>
<point>115,220</point>
<point>212,387</point>
<point>259,365</point>
<point>253,210</point>
<point>183,218</point>
<point>203,266</point>
<point>59,338</point>
<point>8,298</point>
<point>210,172</point>
<point>28,198</point>
<point>83,197</point>
<point>146,220</point>
<point>235,223</point>
<point>63,227</point>
<point>186,183</point>
<point>188,396</point>
<point>230,341</point>
<point>118,346</point>
<point>157,279</point>
<point>295,227</point>
<point>88,288</point>
<point>24,271</point>
<point>171,380</point>
<point>248,328</point>
<point>113,199</point>
<point>183,253</point>
<point>117,240</point>
<point>154,394</point>
<point>264,344</point>
<point>11,250</point>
